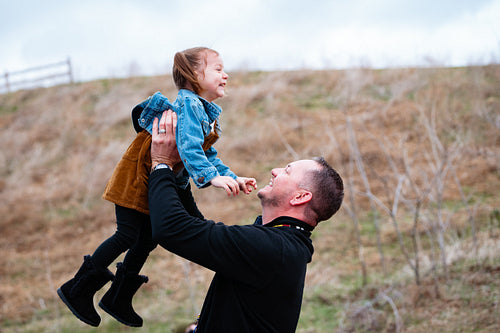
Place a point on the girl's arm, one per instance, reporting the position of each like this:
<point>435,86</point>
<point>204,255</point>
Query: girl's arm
<point>241,183</point>
<point>204,167</point>
<point>223,169</point>
<point>190,135</point>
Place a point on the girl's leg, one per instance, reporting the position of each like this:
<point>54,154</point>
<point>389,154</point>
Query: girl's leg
<point>139,251</point>
<point>129,225</point>
<point>118,299</point>
<point>78,292</point>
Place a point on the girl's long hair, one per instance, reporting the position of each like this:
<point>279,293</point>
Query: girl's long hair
<point>186,64</point>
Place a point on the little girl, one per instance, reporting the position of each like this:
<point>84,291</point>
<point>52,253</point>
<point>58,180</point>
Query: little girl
<point>199,75</point>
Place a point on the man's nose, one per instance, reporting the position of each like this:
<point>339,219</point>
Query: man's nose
<point>276,171</point>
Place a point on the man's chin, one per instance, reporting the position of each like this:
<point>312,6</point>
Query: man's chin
<point>265,189</point>
<point>266,198</point>
<point>263,193</point>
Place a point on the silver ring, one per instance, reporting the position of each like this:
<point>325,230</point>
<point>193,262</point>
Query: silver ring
<point>162,131</point>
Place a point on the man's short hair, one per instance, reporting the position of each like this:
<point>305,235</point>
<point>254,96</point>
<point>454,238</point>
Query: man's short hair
<point>328,191</point>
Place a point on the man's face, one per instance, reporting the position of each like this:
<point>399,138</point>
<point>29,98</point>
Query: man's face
<point>285,182</point>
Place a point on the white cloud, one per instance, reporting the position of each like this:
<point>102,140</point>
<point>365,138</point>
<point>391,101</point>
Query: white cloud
<point>105,37</point>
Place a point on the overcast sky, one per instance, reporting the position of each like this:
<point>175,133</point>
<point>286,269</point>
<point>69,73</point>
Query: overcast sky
<point>114,38</point>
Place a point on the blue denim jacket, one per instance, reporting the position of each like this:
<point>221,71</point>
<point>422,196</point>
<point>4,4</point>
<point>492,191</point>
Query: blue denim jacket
<point>195,119</point>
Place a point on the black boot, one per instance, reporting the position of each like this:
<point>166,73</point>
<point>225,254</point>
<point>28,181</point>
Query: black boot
<point>78,293</point>
<point>118,299</point>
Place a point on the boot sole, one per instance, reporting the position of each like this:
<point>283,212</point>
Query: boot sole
<point>124,322</point>
<point>77,315</point>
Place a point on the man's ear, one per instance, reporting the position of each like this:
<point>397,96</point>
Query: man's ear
<point>301,197</point>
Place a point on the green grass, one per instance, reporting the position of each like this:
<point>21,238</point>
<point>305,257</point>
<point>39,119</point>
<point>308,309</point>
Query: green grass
<point>7,109</point>
<point>379,92</point>
<point>317,101</point>
<point>321,310</point>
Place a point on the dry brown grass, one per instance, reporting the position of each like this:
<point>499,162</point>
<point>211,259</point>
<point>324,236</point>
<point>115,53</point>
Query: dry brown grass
<point>59,145</point>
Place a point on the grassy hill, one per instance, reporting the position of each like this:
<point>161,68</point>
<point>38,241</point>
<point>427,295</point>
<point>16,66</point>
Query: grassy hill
<point>415,247</point>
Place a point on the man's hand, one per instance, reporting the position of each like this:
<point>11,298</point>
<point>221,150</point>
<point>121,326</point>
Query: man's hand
<point>163,146</point>
<point>246,184</point>
<point>227,183</point>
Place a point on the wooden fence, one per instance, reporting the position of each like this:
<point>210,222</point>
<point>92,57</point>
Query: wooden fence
<point>38,76</point>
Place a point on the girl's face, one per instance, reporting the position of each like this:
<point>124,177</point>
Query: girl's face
<point>213,79</point>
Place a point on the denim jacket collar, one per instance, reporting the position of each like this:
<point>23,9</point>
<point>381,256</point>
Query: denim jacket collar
<point>213,110</point>
<point>200,165</point>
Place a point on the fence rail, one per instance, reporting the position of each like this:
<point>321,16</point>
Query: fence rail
<point>37,76</point>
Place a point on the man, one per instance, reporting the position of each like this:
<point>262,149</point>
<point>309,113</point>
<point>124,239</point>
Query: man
<point>259,269</point>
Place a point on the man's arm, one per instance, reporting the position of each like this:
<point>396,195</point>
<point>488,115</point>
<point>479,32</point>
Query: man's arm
<point>246,253</point>
<point>187,199</point>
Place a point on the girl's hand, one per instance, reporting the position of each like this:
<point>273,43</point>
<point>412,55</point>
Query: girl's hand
<point>247,185</point>
<point>227,183</point>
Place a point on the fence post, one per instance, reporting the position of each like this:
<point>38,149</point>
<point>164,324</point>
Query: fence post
<point>70,71</point>
<point>7,85</point>
<point>66,73</point>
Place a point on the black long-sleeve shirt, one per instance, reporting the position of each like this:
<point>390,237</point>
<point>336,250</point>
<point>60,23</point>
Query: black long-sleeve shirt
<point>259,269</point>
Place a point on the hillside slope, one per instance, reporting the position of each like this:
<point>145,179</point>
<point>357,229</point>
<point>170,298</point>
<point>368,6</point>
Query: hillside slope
<point>433,134</point>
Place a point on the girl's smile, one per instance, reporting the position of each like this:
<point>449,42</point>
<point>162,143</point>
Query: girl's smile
<point>213,80</point>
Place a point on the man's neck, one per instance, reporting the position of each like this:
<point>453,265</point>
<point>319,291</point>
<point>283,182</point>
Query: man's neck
<point>269,215</point>
<point>266,218</point>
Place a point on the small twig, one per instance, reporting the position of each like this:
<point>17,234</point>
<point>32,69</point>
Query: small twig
<point>397,318</point>
<point>288,147</point>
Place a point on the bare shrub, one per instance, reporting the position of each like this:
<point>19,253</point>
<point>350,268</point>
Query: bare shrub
<point>418,150</point>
